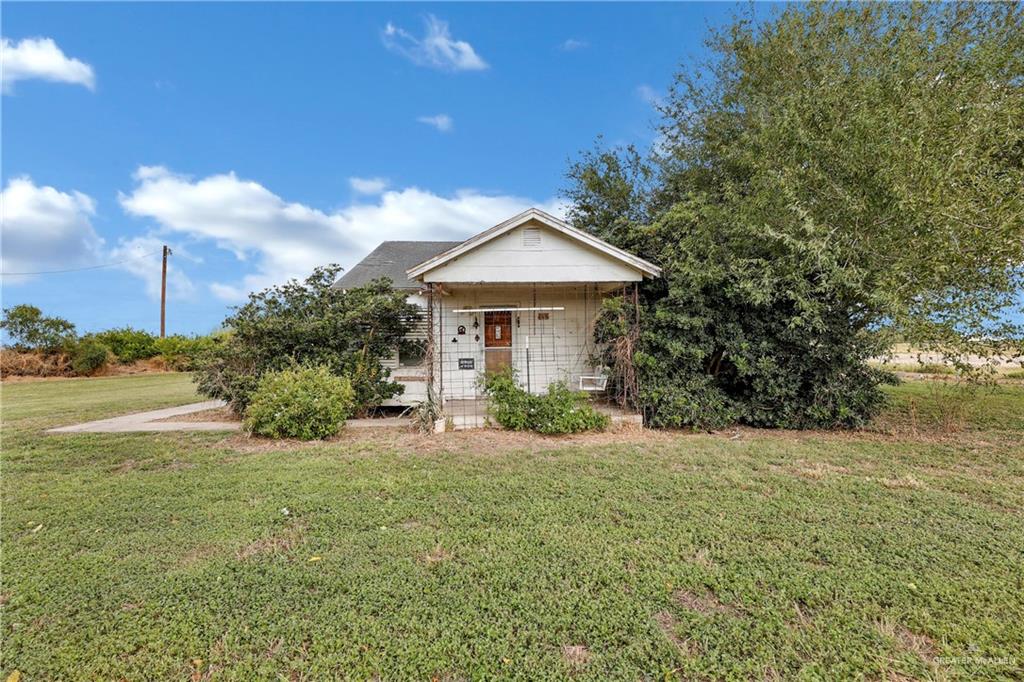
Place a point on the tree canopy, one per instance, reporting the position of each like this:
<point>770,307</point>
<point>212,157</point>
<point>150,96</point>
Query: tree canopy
<point>31,330</point>
<point>829,178</point>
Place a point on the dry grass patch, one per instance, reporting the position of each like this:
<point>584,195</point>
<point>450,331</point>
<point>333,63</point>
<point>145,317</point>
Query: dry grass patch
<point>484,441</point>
<point>280,543</point>
<point>273,648</point>
<point>154,365</point>
<point>702,557</point>
<point>921,645</point>
<point>667,624</point>
<point>705,604</point>
<point>24,366</point>
<point>125,466</point>
<point>436,556</point>
<point>198,554</point>
<point>907,482</point>
<point>814,471</point>
<point>576,655</point>
<point>803,620</point>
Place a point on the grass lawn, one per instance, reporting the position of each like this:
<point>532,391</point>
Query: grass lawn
<point>890,554</point>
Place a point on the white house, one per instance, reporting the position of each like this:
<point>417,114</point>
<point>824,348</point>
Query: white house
<point>524,293</point>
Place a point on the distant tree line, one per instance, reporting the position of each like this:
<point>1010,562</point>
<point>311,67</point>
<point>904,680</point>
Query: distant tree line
<point>43,345</point>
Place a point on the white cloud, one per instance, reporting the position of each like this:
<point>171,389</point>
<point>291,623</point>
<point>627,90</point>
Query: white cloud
<point>571,44</point>
<point>649,95</point>
<point>368,185</point>
<point>442,122</point>
<point>229,292</point>
<point>436,49</point>
<point>287,239</point>
<point>41,58</point>
<point>45,229</point>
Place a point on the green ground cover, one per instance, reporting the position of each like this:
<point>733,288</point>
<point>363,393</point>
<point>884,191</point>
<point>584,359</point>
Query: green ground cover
<point>889,554</point>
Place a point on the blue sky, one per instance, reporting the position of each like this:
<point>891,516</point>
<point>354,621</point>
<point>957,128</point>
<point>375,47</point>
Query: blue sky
<point>261,139</point>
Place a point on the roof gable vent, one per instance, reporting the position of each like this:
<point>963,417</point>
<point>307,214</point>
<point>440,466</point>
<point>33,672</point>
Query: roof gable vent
<point>531,237</point>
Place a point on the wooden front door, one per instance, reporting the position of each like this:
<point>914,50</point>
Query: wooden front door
<point>497,340</point>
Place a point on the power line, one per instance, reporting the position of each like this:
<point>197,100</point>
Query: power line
<point>91,267</point>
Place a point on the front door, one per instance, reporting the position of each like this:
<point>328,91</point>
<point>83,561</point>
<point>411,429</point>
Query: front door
<point>497,340</point>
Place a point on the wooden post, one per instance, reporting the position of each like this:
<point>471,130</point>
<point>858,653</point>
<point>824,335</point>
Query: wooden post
<point>163,294</point>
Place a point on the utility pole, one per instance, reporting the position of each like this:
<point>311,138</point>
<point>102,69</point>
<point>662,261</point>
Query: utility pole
<point>163,294</point>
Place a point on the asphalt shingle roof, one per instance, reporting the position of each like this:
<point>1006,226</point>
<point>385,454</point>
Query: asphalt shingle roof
<point>392,259</point>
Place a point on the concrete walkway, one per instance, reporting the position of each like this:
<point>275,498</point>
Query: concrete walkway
<point>149,421</point>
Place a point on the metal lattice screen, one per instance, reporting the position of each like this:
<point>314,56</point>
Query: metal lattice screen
<point>544,334</point>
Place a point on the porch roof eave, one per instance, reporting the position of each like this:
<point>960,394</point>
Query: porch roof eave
<point>613,284</point>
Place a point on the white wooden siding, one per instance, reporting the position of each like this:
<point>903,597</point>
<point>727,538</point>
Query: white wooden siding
<point>510,258</point>
<point>414,379</point>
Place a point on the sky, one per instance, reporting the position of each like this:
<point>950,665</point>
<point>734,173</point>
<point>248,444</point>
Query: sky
<point>261,140</point>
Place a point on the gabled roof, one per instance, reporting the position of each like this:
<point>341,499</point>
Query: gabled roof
<point>392,259</point>
<point>430,263</point>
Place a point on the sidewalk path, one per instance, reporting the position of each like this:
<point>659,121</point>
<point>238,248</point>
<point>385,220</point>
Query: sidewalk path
<point>147,421</point>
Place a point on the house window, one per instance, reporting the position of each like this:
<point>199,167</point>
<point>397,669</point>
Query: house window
<point>412,353</point>
<point>531,237</point>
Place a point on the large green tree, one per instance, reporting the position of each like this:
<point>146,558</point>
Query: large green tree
<point>831,172</point>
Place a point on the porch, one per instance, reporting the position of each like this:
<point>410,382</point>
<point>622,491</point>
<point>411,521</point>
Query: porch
<point>542,332</point>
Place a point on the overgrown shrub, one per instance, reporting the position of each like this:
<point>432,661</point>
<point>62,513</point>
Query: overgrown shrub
<point>129,344</point>
<point>508,403</point>
<point>308,403</point>
<point>563,410</point>
<point>709,354</point>
<point>89,356</point>
<point>184,353</point>
<point>350,332</point>
<point>560,410</point>
<point>678,400</point>
<point>29,329</point>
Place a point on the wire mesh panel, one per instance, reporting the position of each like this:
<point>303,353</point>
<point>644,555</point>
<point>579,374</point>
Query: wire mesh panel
<point>541,333</point>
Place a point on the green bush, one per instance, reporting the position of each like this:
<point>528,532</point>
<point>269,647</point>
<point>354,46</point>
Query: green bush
<point>353,332</point>
<point>560,410</point>
<point>684,400</point>
<point>129,344</point>
<point>563,410</point>
<point>183,353</point>
<point>89,356</point>
<point>308,403</point>
<point>510,405</point>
